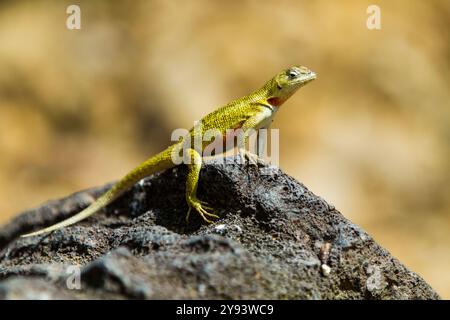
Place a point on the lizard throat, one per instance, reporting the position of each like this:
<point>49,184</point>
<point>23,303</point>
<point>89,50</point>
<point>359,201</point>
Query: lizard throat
<point>276,101</point>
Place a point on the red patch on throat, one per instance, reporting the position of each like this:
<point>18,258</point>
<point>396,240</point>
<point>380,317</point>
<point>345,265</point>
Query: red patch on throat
<point>275,101</point>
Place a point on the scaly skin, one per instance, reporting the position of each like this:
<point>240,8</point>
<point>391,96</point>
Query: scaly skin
<point>254,111</point>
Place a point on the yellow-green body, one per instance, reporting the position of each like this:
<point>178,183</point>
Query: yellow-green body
<point>254,111</point>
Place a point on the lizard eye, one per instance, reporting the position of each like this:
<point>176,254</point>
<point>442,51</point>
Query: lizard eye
<point>292,74</point>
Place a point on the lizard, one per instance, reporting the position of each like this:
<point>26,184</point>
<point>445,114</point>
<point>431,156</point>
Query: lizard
<point>248,113</point>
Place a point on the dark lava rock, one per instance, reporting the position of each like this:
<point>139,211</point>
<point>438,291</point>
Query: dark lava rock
<point>275,240</point>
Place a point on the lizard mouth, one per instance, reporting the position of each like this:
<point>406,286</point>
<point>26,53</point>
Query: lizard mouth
<point>310,76</point>
<point>305,78</point>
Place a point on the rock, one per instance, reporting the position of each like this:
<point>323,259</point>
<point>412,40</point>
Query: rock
<point>326,270</point>
<point>272,242</point>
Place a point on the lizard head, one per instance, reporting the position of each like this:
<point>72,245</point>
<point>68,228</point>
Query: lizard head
<point>285,83</point>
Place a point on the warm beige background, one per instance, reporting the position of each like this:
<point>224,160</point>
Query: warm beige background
<point>371,135</point>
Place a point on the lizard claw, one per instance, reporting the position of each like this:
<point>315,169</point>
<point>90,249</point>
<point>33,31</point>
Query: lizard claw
<point>251,158</point>
<point>201,207</point>
<point>205,205</point>
<point>188,213</point>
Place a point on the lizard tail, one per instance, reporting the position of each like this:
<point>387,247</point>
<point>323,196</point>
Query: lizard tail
<point>93,208</point>
<point>155,164</point>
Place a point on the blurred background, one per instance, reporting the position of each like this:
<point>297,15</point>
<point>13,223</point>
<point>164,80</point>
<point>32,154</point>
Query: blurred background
<point>79,108</point>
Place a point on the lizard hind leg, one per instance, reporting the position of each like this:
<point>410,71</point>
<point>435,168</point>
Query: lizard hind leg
<point>193,202</point>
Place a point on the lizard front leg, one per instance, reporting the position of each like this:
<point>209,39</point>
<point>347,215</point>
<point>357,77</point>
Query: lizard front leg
<point>251,126</point>
<point>201,207</point>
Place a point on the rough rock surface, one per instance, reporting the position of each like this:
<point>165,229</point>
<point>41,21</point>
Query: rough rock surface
<point>276,240</point>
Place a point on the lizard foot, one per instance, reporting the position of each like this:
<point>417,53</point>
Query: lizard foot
<point>251,158</point>
<point>202,208</point>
